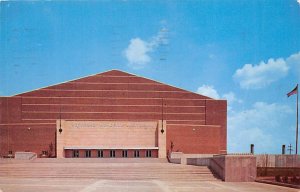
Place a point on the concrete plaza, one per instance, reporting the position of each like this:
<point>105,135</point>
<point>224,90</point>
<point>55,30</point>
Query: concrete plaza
<point>91,185</point>
<point>94,175</point>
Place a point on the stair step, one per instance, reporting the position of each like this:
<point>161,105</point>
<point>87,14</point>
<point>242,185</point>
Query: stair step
<point>82,168</point>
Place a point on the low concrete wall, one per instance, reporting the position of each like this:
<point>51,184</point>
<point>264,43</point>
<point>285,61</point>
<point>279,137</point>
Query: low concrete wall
<point>176,157</point>
<point>190,159</point>
<point>234,168</point>
<point>25,155</point>
<point>240,168</point>
<point>217,164</point>
<point>266,160</point>
<point>175,160</point>
<point>198,161</point>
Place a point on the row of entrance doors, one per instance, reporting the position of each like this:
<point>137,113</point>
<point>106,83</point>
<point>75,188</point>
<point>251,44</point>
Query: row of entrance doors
<point>115,153</point>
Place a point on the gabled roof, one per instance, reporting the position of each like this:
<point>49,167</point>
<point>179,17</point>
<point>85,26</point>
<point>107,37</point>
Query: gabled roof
<point>111,77</point>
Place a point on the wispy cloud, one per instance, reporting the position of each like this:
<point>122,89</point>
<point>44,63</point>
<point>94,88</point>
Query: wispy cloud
<point>138,50</point>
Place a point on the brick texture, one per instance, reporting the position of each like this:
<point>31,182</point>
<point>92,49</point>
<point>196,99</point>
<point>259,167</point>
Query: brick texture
<point>195,123</point>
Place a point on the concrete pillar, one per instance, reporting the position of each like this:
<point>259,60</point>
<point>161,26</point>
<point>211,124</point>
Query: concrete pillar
<point>162,147</point>
<point>183,160</point>
<point>60,139</point>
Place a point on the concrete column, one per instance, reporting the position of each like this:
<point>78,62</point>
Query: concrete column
<point>162,147</point>
<point>60,143</point>
<point>183,160</point>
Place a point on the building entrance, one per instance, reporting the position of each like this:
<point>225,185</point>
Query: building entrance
<point>110,139</point>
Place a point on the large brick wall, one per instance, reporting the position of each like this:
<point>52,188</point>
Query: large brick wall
<point>195,123</point>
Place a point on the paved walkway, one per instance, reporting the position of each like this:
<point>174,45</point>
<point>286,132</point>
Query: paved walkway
<point>93,185</point>
<point>115,177</point>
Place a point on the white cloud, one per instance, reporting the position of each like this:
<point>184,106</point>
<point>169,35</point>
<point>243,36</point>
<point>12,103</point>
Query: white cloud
<point>208,91</point>
<point>137,53</point>
<point>138,50</point>
<point>231,98</point>
<point>261,75</point>
<point>298,1</point>
<point>294,58</point>
<point>257,126</point>
<point>258,76</point>
<point>294,62</point>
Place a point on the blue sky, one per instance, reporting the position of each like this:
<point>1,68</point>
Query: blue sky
<point>247,52</point>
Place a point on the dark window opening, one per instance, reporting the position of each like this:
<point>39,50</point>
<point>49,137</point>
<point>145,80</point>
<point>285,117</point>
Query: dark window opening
<point>124,153</point>
<point>136,153</point>
<point>148,153</point>
<point>112,153</point>
<point>100,153</point>
<point>87,153</point>
<point>75,153</point>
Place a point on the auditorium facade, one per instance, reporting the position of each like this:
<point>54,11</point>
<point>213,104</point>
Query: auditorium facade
<point>113,114</point>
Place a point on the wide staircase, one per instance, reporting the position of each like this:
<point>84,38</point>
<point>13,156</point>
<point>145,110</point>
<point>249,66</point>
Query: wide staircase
<point>107,169</point>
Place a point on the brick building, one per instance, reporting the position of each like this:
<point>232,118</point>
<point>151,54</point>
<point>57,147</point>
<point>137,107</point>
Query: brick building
<point>112,114</point>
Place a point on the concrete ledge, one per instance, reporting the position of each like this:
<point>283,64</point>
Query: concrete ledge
<point>190,159</point>
<point>25,155</point>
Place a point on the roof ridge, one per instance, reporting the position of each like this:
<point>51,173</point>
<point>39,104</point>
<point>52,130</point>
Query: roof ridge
<point>112,71</point>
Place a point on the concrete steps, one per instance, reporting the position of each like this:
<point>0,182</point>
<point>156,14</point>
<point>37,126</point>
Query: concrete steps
<point>111,171</point>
